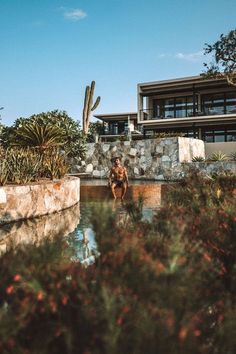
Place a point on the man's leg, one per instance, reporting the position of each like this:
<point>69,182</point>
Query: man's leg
<point>124,189</point>
<point>113,186</point>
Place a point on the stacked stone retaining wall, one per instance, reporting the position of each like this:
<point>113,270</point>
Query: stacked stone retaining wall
<point>153,159</point>
<point>27,201</point>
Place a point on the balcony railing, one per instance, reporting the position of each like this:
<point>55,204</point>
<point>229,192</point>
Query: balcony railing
<point>150,114</point>
<point>137,130</point>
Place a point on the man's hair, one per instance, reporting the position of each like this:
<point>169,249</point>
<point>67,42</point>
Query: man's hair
<point>115,158</point>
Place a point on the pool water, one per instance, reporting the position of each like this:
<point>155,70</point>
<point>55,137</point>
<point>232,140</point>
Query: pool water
<point>72,223</point>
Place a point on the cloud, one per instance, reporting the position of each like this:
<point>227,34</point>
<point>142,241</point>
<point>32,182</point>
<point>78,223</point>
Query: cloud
<point>190,56</point>
<point>75,14</point>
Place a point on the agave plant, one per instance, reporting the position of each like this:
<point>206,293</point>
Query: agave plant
<point>4,172</point>
<point>24,165</point>
<point>55,165</point>
<point>198,159</point>
<point>218,156</point>
<point>41,136</point>
<point>233,156</point>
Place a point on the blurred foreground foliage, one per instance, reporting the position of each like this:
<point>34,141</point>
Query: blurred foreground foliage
<point>165,286</point>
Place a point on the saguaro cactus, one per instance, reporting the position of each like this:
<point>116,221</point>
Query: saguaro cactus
<point>89,106</point>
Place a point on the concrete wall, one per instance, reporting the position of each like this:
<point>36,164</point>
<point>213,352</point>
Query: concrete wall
<point>154,159</point>
<point>27,201</point>
<point>227,148</point>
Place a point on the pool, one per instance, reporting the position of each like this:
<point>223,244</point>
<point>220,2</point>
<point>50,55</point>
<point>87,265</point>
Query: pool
<point>72,223</point>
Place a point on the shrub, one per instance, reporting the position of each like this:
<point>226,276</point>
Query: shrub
<point>47,129</point>
<point>165,286</point>
<point>198,159</point>
<point>25,165</point>
<point>233,156</point>
<point>217,156</point>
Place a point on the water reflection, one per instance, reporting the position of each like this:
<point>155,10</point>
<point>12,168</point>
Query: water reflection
<point>72,222</point>
<point>34,231</point>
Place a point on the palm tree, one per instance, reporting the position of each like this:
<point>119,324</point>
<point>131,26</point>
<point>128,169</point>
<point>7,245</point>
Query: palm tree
<point>39,136</point>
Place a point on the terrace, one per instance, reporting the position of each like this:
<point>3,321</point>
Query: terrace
<point>192,103</point>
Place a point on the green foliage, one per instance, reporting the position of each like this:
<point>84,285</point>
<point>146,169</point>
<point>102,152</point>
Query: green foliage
<point>233,156</point>
<point>165,286</point>
<point>168,134</point>
<point>47,129</point>
<point>89,106</point>
<point>198,159</point>
<point>218,156</point>
<point>25,165</point>
<point>4,172</point>
<point>55,166</point>
<point>33,134</point>
<point>224,54</point>
<point>95,128</point>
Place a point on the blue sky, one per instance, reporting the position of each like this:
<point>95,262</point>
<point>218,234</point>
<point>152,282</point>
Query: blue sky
<point>51,49</point>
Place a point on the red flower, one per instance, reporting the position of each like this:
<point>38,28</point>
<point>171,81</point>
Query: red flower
<point>65,299</point>
<point>183,333</point>
<point>119,321</point>
<point>10,289</point>
<point>40,296</point>
<point>126,309</point>
<point>197,332</point>
<point>17,277</point>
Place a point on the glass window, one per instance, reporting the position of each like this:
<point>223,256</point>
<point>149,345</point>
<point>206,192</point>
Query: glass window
<point>159,108</point>
<point>180,107</point>
<point>189,103</point>
<point>213,104</point>
<point>209,138</point>
<point>219,138</point>
<point>169,108</point>
<point>230,102</point>
<point>231,135</point>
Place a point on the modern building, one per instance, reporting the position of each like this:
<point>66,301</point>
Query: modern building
<point>118,124</point>
<point>195,106</point>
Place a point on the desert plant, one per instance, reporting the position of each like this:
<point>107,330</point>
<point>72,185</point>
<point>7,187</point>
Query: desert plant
<point>24,165</point>
<point>218,156</point>
<point>198,159</point>
<point>4,172</point>
<point>233,156</point>
<point>41,136</point>
<point>57,129</point>
<point>167,134</point>
<point>89,106</point>
<point>55,165</point>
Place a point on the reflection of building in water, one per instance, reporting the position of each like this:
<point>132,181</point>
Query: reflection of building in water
<point>34,231</point>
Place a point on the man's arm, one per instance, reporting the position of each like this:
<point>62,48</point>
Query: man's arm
<point>110,176</point>
<point>126,177</point>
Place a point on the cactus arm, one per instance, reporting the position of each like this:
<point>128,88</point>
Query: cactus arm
<point>96,103</point>
<point>90,104</point>
<point>85,110</point>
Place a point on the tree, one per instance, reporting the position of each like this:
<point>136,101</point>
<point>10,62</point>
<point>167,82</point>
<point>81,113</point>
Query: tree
<point>55,128</point>
<point>224,58</point>
<point>33,134</point>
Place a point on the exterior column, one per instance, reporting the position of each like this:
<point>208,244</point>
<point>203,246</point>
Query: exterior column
<point>140,105</point>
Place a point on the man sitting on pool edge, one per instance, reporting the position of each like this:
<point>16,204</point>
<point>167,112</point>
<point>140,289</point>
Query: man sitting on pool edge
<point>118,177</point>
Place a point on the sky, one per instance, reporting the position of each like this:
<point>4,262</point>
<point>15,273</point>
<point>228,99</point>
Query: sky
<point>51,49</point>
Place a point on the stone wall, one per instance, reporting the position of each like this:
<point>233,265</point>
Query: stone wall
<point>28,201</point>
<point>155,159</point>
<point>209,168</point>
